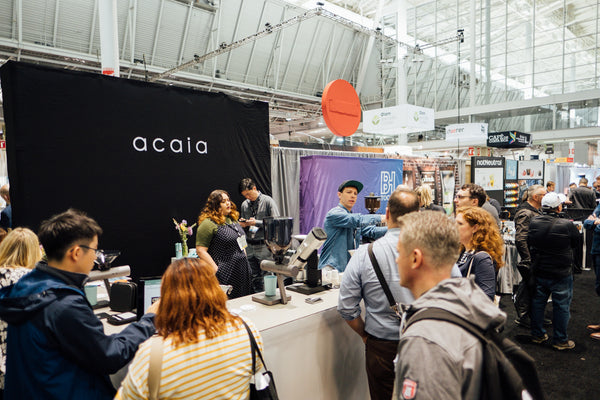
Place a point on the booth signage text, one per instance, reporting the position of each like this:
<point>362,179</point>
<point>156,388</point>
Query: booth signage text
<point>489,162</point>
<point>508,139</point>
<point>403,118</point>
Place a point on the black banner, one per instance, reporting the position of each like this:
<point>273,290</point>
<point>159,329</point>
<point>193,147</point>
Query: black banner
<point>508,139</point>
<point>131,154</point>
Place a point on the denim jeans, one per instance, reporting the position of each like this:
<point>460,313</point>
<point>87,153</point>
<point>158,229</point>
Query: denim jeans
<point>596,261</point>
<point>562,293</point>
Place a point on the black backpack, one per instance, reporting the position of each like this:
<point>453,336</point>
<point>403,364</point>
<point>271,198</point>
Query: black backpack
<point>508,369</point>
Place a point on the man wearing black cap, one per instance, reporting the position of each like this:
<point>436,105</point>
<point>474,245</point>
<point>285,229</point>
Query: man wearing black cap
<point>344,229</point>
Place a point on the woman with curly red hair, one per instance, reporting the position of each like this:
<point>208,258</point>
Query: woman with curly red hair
<point>206,349</point>
<point>221,242</point>
<point>482,247</point>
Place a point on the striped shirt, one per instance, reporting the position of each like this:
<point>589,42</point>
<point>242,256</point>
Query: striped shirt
<point>218,368</point>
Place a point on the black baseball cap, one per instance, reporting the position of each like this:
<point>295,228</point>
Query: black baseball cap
<point>354,184</point>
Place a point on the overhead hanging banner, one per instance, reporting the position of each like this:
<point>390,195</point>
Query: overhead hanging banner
<point>457,132</point>
<point>403,118</point>
<point>509,139</point>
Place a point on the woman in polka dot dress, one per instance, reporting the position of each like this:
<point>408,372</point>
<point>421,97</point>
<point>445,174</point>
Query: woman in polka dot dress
<point>221,242</point>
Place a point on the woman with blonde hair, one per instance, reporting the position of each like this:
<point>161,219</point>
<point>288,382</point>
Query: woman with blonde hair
<point>221,242</point>
<point>425,199</point>
<point>19,252</point>
<point>482,247</point>
<point>206,349</point>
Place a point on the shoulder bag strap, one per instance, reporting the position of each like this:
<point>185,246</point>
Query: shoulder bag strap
<point>443,315</point>
<point>155,368</point>
<point>382,281</point>
<point>470,265</point>
<point>255,349</point>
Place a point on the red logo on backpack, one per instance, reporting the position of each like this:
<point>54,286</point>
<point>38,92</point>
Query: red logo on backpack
<point>409,389</point>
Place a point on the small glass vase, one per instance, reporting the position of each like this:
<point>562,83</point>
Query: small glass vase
<point>184,249</point>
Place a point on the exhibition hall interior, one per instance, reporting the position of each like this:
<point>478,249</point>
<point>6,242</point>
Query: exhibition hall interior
<point>272,143</point>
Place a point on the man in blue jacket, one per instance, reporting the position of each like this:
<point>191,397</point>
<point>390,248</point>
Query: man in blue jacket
<point>593,223</point>
<point>57,348</point>
<point>344,229</point>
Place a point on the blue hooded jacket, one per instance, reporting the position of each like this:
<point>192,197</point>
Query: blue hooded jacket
<point>57,348</point>
<point>589,224</point>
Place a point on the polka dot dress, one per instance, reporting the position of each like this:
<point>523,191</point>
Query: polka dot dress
<point>234,268</point>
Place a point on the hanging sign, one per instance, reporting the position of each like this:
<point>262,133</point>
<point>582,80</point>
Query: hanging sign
<point>403,118</point>
<point>456,132</point>
<point>341,107</point>
<point>508,139</point>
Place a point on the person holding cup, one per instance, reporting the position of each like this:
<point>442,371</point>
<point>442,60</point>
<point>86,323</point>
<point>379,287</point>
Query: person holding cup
<point>344,228</point>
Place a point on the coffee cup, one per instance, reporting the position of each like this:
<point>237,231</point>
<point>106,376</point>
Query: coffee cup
<point>270,285</point>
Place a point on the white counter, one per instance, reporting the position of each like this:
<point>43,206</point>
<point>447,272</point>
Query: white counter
<point>310,349</point>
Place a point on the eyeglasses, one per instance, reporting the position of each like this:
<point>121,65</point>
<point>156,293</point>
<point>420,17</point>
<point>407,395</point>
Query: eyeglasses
<point>99,254</point>
<point>460,197</point>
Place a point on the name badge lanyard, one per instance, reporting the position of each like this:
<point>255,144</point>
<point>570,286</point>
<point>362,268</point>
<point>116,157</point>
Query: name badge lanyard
<point>241,240</point>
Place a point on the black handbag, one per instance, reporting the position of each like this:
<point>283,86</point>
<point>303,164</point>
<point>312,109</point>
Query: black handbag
<point>269,392</point>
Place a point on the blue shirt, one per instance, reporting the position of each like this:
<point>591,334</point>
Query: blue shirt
<point>359,282</point>
<point>344,231</point>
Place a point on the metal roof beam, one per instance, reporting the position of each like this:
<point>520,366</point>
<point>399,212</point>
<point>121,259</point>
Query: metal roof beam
<point>319,11</point>
<point>157,31</point>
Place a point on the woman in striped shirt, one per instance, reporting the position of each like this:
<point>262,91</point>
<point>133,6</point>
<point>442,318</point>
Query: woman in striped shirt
<point>206,349</point>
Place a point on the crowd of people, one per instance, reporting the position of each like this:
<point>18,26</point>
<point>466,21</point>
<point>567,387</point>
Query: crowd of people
<point>53,345</point>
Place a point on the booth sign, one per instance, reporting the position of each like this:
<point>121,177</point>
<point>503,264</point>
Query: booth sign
<point>403,118</point>
<point>457,132</point>
<point>559,160</point>
<point>509,139</point>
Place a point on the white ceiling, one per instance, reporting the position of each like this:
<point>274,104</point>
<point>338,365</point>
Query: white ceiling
<point>290,66</point>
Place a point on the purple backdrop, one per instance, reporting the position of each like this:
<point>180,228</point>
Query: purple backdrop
<point>320,177</point>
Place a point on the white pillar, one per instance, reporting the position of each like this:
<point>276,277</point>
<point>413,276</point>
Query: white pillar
<point>109,37</point>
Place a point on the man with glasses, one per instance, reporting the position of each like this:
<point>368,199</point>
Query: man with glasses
<point>471,194</point>
<point>255,208</point>
<point>57,348</point>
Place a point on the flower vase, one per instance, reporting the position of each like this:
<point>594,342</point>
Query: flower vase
<point>184,249</point>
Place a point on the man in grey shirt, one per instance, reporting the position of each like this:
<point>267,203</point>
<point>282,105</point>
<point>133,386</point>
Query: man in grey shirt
<point>437,359</point>
<point>256,207</point>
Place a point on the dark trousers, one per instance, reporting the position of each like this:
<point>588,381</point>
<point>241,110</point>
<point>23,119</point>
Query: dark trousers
<point>596,259</point>
<point>257,253</point>
<point>379,361</point>
<point>524,292</point>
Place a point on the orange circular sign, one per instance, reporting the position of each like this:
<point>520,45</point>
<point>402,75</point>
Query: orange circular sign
<point>341,107</point>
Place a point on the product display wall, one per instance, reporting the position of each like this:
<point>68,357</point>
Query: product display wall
<point>131,154</point>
